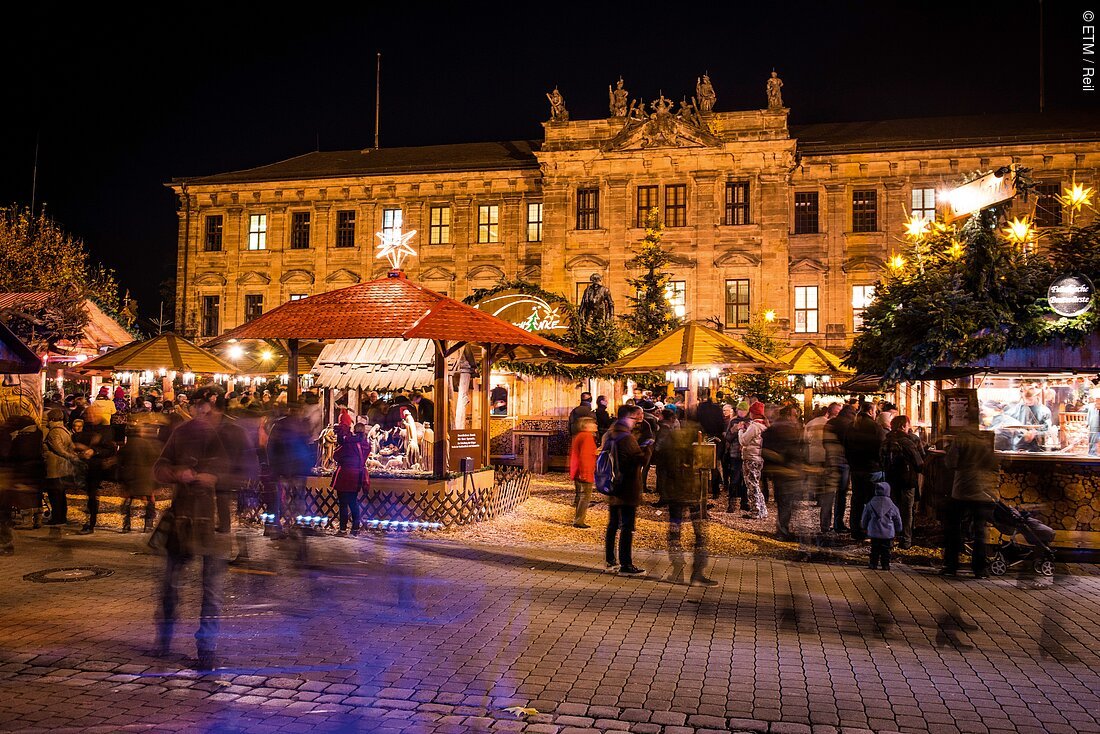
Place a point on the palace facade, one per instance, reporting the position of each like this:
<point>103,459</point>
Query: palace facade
<point>761,215</point>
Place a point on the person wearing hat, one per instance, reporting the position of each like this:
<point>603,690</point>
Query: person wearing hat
<point>102,408</point>
<point>751,439</point>
<point>732,466</point>
<point>61,457</point>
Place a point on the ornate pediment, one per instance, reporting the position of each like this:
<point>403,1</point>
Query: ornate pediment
<point>297,276</point>
<point>253,277</point>
<point>594,261</point>
<point>808,265</point>
<point>662,128</point>
<point>485,272</point>
<point>343,275</point>
<point>437,273</point>
<point>210,278</point>
<point>734,257</point>
<point>864,264</point>
<point>532,274</point>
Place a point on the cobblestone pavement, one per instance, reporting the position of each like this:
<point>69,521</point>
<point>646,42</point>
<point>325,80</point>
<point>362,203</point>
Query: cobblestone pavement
<point>390,633</point>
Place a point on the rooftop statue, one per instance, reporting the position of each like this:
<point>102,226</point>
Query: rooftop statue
<point>617,99</point>
<point>775,96</point>
<point>704,92</point>
<point>558,113</point>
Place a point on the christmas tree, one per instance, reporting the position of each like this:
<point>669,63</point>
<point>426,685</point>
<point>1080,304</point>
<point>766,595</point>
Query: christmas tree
<point>651,314</point>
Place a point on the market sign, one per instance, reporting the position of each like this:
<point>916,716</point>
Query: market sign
<point>1070,295</point>
<point>528,312</point>
<point>981,193</point>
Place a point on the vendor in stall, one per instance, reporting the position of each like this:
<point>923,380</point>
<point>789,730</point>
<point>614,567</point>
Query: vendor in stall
<point>1031,412</point>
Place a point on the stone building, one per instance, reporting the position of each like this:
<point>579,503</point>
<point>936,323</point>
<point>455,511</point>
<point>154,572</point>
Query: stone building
<point>761,215</point>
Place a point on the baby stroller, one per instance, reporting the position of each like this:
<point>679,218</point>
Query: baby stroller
<point>1017,524</point>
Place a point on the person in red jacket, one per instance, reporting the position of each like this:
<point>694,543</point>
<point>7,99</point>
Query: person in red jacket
<point>582,467</point>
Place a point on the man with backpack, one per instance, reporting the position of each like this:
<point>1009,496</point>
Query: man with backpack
<point>902,460</point>
<point>619,476</point>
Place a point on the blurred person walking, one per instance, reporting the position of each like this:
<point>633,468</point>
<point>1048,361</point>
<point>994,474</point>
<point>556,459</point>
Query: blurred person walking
<point>838,430</point>
<point>680,490</point>
<point>973,495</point>
<point>902,461</point>
<point>290,460</point>
<point>821,453</point>
<point>751,440</point>
<point>98,444</point>
<point>192,462</point>
<point>626,491</point>
<point>732,464</point>
<point>863,448</point>
<point>582,468</point>
<point>21,474</point>
<point>784,462</point>
<point>135,470</point>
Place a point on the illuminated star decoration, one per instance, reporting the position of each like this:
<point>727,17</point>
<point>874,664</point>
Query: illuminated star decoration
<point>395,245</point>
<point>1075,198</point>
<point>1019,231</point>
<point>916,227</point>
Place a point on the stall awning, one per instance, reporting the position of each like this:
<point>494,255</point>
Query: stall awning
<point>810,359</point>
<point>16,358</point>
<point>695,347</point>
<point>376,364</point>
<point>167,351</point>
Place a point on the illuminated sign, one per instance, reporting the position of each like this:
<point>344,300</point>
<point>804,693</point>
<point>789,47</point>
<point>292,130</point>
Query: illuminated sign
<point>1070,295</point>
<point>981,193</point>
<point>530,313</point>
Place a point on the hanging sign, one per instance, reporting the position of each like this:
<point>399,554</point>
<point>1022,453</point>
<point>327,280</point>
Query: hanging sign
<point>528,312</point>
<point>981,193</point>
<point>1070,295</point>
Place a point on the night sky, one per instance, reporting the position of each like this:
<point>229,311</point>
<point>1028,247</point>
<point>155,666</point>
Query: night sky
<point>123,101</point>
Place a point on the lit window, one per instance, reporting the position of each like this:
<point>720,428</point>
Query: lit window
<point>737,302</point>
<point>257,232</point>
<point>213,240</point>
<point>345,228</point>
<point>1048,211</point>
<point>253,306</point>
<point>534,222</point>
<point>924,204</point>
<point>864,211</point>
<point>805,309</point>
<point>299,230</point>
<point>588,208</point>
<point>211,311</point>
<point>862,295</point>
<point>298,296</point>
<point>439,226</point>
<point>488,218</point>
<point>647,201</point>
<point>737,203</point>
<point>676,295</point>
<point>676,207</point>
<point>805,212</point>
<point>391,221</point>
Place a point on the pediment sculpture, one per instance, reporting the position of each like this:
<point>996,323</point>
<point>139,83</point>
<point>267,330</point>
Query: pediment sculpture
<point>662,127</point>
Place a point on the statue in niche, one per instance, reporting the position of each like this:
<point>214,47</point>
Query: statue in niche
<point>775,96</point>
<point>617,99</point>
<point>704,92</point>
<point>596,304</point>
<point>558,113</point>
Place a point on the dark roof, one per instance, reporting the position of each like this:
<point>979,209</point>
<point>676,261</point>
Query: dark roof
<point>946,132</point>
<point>16,358</point>
<point>509,155</point>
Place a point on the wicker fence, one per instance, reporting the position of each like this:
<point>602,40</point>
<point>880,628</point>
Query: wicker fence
<point>465,504</point>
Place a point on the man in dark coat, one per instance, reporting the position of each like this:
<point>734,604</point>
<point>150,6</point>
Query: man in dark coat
<point>289,457</point>
<point>974,493</point>
<point>627,495</point>
<point>713,425</point>
<point>602,416</point>
<point>902,460</point>
<point>583,410</point>
<point>862,447</point>
<point>425,408</point>
<point>784,463</point>
<point>193,460</point>
<point>837,428</point>
<point>678,483</point>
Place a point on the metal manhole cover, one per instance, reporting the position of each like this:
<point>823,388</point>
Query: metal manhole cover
<point>71,573</point>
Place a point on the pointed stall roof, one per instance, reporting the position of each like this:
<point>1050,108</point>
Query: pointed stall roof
<point>389,307</point>
<point>810,359</point>
<point>167,351</point>
<point>695,347</point>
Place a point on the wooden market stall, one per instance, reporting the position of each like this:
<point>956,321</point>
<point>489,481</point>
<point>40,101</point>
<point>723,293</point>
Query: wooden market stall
<point>20,388</point>
<point>696,355</point>
<point>166,359</point>
<point>816,367</point>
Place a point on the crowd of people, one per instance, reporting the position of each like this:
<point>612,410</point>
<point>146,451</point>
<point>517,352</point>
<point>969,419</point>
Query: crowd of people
<point>859,461</point>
